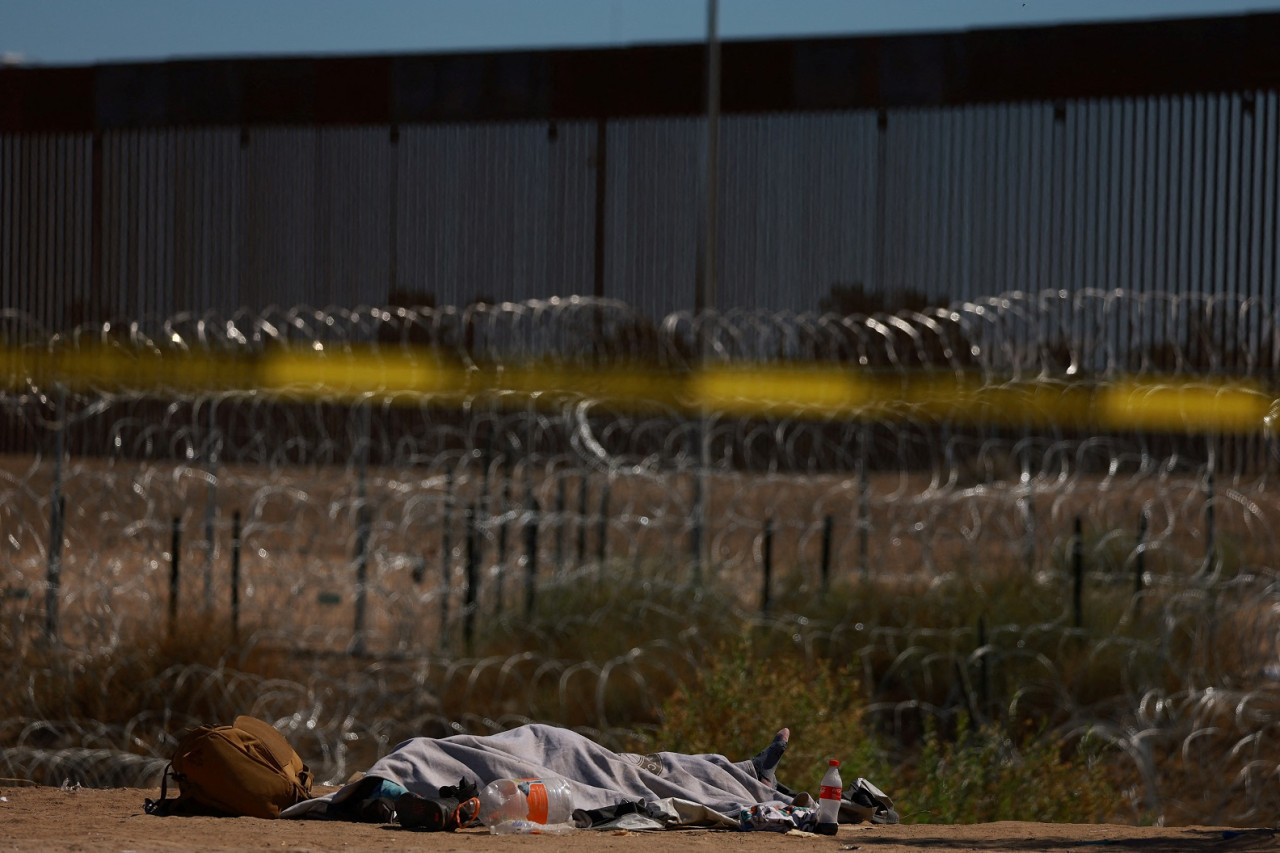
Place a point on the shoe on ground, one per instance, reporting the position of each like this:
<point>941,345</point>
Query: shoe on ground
<point>863,802</point>
<point>444,814</point>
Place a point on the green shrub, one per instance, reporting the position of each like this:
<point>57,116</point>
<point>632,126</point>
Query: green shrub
<point>744,694</point>
<point>982,774</point>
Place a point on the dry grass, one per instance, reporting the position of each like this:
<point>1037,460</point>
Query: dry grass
<point>960,608</point>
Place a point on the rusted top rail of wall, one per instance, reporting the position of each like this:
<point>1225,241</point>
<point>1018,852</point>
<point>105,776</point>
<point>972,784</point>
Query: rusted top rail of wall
<point>1096,60</point>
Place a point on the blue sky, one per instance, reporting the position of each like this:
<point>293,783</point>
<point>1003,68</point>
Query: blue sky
<point>88,31</point>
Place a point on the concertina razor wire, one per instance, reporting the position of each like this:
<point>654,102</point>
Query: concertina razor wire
<point>371,530</point>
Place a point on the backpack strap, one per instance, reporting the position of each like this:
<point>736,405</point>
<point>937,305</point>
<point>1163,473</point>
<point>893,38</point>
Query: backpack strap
<point>162,807</point>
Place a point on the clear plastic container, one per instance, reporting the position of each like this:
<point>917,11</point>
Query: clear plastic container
<point>527,806</point>
<point>829,800</point>
<point>528,827</point>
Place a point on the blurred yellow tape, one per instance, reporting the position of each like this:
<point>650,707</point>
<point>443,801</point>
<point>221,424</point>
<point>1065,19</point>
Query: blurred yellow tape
<point>409,377</point>
<point>795,391</point>
<point>341,375</point>
<point>1171,405</point>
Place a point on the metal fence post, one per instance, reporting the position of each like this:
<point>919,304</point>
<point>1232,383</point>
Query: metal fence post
<point>175,579</point>
<point>363,529</point>
<point>57,510</point>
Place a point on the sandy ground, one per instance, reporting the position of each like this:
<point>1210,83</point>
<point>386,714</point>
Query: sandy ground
<point>42,818</point>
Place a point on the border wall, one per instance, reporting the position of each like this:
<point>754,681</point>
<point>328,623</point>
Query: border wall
<point>854,174</point>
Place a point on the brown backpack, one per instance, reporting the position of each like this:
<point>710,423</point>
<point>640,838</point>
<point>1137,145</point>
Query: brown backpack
<point>244,769</point>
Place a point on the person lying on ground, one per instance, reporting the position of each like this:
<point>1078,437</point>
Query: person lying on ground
<point>669,787</point>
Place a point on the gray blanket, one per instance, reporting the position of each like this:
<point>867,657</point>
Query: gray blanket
<point>701,789</point>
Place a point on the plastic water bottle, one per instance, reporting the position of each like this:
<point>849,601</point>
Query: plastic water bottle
<point>829,800</point>
<point>528,827</point>
<point>509,806</point>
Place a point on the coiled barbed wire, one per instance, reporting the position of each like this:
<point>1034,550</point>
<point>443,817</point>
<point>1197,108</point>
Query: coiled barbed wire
<point>535,494</point>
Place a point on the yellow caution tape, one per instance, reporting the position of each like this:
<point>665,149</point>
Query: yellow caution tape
<point>409,377</point>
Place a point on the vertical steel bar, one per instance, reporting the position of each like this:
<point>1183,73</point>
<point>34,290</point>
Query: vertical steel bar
<point>446,557</point>
<point>1271,252</point>
<point>984,682</point>
<point>393,214</point>
<point>504,503</point>
<point>827,524</point>
<point>767,566</point>
<point>602,526</point>
<point>57,507</point>
<point>1210,527</point>
<point>864,501</point>
<point>583,483</point>
<point>212,439</point>
<point>601,206</point>
<point>359,640</point>
<point>531,555</point>
<point>560,522</point>
<point>175,577</point>
<point>471,594</point>
<point>1140,556</point>
<point>235,575</point>
<point>1077,574</point>
<point>705,298</point>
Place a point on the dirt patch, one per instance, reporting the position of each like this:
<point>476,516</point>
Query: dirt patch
<point>44,818</point>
